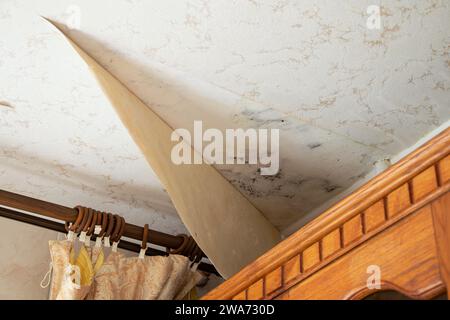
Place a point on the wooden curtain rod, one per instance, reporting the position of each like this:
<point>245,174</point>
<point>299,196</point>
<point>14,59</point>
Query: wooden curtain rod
<point>59,212</point>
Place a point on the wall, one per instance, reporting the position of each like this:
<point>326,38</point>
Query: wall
<point>24,260</point>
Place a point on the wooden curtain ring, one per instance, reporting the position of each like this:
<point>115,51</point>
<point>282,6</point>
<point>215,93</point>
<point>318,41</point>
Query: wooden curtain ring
<point>104,221</point>
<point>144,237</point>
<point>83,221</point>
<point>90,215</point>
<point>110,226</point>
<point>80,217</point>
<point>77,220</point>
<point>122,228</point>
<point>181,247</point>
<point>93,223</point>
<point>99,218</point>
<point>198,254</point>
<point>195,253</point>
<point>117,226</point>
<point>189,248</point>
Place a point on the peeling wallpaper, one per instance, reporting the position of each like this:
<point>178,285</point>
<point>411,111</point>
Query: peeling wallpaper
<point>343,96</point>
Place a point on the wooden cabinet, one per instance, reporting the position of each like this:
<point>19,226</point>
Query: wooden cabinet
<point>391,234</point>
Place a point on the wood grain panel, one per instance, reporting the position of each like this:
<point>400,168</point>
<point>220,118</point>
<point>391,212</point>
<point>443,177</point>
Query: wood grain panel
<point>240,296</point>
<point>424,183</point>
<point>374,216</point>
<point>283,296</point>
<point>292,269</point>
<point>310,257</point>
<point>273,280</point>
<point>444,170</point>
<point>405,253</point>
<point>441,219</point>
<point>398,200</point>
<point>352,229</point>
<point>331,243</point>
<point>255,291</point>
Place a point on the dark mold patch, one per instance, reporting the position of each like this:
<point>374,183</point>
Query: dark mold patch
<point>274,177</point>
<point>331,187</point>
<point>314,145</point>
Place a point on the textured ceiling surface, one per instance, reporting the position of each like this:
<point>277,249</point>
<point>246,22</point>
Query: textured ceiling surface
<point>342,95</point>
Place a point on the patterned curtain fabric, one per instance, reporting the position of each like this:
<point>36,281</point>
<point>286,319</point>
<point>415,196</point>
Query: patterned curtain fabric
<point>88,275</point>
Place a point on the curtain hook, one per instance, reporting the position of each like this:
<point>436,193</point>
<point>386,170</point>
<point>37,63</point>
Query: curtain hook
<point>87,241</point>
<point>190,248</point>
<point>197,257</point>
<point>182,247</point>
<point>195,265</point>
<point>84,226</point>
<point>71,227</point>
<point>104,223</point>
<point>109,230</point>
<point>117,232</point>
<point>121,231</point>
<point>144,242</point>
<point>98,223</point>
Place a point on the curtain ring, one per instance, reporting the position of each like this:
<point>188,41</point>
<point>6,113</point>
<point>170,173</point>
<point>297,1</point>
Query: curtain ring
<point>122,228</point>
<point>99,218</point>
<point>196,254</point>
<point>116,233</point>
<point>104,221</point>
<point>181,247</point>
<point>80,216</point>
<point>118,236</point>
<point>144,242</point>
<point>109,229</point>
<point>90,227</point>
<point>200,254</point>
<point>93,223</point>
<point>145,237</point>
<point>189,248</point>
<point>67,226</point>
<point>83,221</point>
<point>84,226</point>
<point>117,226</point>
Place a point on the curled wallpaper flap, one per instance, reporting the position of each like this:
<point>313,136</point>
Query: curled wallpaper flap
<point>227,227</point>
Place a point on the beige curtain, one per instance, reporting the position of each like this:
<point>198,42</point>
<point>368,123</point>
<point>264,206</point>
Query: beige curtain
<point>86,274</point>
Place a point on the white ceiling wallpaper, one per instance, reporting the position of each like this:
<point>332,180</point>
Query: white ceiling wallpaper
<point>342,95</point>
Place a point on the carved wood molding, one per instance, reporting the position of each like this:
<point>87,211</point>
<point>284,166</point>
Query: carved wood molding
<point>404,188</point>
<point>404,256</point>
<point>429,293</point>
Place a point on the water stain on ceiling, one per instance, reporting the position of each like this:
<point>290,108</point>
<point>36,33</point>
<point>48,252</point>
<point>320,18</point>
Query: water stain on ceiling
<point>342,95</point>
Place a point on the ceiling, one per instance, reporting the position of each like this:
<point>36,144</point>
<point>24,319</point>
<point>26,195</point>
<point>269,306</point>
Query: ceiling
<point>343,96</point>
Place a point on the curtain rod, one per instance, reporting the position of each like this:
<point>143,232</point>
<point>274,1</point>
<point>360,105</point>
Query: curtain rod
<point>59,212</point>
